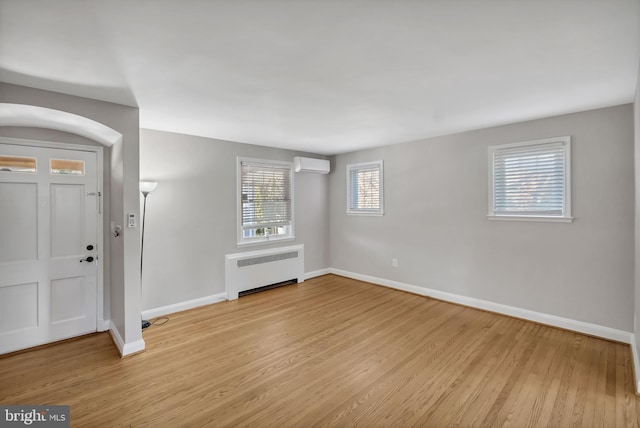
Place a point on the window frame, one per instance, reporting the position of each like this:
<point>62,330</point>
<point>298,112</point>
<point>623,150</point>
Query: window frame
<point>256,240</point>
<point>362,165</point>
<point>565,217</point>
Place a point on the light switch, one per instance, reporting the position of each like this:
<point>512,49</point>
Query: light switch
<point>131,220</point>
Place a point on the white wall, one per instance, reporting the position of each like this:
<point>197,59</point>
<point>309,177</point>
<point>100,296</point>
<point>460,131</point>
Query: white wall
<point>123,281</point>
<point>191,216</point>
<point>435,222</point>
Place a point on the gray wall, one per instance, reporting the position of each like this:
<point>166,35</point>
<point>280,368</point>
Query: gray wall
<point>191,216</point>
<point>123,276</point>
<point>436,224</point>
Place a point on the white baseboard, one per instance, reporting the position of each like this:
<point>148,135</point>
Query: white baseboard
<point>539,317</point>
<point>117,339</point>
<point>103,325</point>
<point>208,300</point>
<point>132,348</point>
<point>125,348</point>
<point>313,274</point>
<point>636,362</point>
<point>183,306</point>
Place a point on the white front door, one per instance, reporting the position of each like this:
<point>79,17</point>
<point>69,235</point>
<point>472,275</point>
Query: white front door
<point>48,248</point>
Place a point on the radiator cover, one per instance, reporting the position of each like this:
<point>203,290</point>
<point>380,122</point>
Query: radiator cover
<point>253,269</point>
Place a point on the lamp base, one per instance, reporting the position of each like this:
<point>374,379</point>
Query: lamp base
<point>145,324</point>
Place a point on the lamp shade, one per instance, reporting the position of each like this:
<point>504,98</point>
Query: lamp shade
<point>147,187</point>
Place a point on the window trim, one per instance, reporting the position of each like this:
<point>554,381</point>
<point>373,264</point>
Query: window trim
<point>240,239</point>
<point>566,215</point>
<point>355,166</point>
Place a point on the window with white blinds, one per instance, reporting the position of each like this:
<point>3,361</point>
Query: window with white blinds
<point>365,188</point>
<point>265,202</point>
<point>531,179</point>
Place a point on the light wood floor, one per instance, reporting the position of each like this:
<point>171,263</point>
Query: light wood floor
<point>334,352</point>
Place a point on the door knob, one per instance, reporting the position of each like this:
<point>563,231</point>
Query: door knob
<point>88,259</point>
<point>89,247</point>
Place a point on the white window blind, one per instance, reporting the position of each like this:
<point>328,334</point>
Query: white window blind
<point>265,195</point>
<point>365,188</point>
<point>530,179</point>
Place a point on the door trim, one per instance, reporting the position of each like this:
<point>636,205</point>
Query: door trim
<point>101,323</point>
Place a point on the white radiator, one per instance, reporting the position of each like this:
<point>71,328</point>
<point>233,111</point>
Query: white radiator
<point>246,271</point>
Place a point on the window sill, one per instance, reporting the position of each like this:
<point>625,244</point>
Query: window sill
<point>365,214</point>
<point>530,218</point>
<point>263,241</point>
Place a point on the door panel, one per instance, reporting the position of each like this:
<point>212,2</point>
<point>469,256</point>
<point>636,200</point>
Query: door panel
<point>48,217</point>
<point>18,307</point>
<point>67,299</point>
<point>16,224</point>
<point>67,220</point>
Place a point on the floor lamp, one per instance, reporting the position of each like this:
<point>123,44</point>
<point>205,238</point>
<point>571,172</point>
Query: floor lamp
<point>146,187</point>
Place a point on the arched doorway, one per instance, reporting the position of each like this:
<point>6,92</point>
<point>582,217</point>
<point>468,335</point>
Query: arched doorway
<point>51,270</point>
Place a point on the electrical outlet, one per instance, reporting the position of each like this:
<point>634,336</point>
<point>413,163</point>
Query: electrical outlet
<point>394,263</point>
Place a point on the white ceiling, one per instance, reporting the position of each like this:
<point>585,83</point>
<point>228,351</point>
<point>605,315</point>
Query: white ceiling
<point>327,76</point>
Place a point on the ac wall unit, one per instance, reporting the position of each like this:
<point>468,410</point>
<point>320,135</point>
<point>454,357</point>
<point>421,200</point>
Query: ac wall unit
<point>320,166</point>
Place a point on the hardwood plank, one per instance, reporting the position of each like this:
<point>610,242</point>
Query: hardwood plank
<point>333,352</point>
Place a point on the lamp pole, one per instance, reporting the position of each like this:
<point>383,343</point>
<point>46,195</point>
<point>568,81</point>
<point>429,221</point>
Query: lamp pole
<point>146,187</point>
<point>144,214</point>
